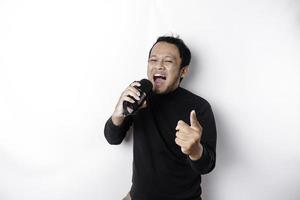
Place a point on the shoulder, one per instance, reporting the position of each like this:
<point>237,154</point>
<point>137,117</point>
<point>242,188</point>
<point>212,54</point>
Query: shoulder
<point>196,102</point>
<point>192,98</point>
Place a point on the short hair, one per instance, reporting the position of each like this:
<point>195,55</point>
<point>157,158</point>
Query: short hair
<point>184,51</point>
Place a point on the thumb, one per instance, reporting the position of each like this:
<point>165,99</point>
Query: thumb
<point>193,120</point>
<point>144,104</point>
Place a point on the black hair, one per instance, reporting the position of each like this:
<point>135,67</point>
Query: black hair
<point>184,51</point>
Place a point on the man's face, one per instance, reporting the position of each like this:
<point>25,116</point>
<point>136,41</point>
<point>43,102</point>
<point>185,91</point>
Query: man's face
<point>164,67</point>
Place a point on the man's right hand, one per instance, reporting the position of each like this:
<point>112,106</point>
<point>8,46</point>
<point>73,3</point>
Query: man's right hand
<point>127,95</point>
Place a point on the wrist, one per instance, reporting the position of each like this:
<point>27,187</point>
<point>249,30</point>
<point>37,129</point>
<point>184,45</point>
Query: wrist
<point>197,153</point>
<point>117,120</point>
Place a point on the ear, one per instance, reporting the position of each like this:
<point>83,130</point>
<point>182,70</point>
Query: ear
<point>184,71</point>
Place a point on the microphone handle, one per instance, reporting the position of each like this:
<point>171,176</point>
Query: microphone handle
<point>134,106</point>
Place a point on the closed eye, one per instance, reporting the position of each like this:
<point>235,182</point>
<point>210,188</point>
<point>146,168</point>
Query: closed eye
<point>152,60</point>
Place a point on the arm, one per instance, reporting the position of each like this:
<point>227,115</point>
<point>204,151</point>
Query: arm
<point>115,134</point>
<point>198,140</point>
<point>207,161</point>
<point>117,125</point>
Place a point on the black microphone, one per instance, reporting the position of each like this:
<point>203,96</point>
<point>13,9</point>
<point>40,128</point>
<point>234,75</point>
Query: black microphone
<point>144,89</point>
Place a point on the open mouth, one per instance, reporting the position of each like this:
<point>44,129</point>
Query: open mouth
<point>159,77</point>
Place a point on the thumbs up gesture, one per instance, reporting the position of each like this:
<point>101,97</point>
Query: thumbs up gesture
<point>188,137</point>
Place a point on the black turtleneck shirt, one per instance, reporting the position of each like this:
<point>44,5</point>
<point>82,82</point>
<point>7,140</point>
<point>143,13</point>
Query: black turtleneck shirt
<point>160,170</point>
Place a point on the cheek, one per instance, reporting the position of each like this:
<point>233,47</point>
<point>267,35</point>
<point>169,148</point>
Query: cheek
<point>149,69</point>
<point>174,74</point>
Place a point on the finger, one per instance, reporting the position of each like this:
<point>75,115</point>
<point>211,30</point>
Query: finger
<point>180,142</point>
<point>144,105</point>
<point>135,83</point>
<point>185,151</point>
<point>181,125</point>
<point>188,138</point>
<point>193,120</point>
<point>129,99</point>
<point>130,110</point>
<point>134,89</point>
<point>183,135</point>
<point>131,94</point>
<point>182,145</point>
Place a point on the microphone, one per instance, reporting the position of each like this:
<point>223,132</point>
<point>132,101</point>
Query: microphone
<point>144,89</point>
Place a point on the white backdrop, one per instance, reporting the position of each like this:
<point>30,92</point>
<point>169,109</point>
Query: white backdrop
<point>63,65</point>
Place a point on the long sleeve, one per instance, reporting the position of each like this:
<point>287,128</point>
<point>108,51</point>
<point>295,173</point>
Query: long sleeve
<point>209,137</point>
<point>115,134</point>
<point>160,169</point>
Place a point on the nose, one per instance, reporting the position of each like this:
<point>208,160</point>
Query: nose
<point>160,65</point>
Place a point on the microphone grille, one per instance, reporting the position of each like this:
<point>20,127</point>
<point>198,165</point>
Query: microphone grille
<point>146,85</point>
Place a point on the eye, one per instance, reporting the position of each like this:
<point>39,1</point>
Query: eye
<point>152,60</point>
<point>169,61</point>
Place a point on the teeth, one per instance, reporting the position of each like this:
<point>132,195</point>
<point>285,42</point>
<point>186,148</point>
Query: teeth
<point>159,76</point>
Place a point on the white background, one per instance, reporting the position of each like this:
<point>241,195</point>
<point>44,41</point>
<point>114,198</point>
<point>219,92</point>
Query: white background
<point>63,65</point>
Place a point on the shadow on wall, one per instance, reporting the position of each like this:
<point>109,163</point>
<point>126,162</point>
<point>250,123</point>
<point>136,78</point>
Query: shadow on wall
<point>295,6</point>
<point>226,156</point>
<point>226,151</point>
<point>194,71</point>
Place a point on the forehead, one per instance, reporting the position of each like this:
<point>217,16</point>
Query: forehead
<point>165,49</point>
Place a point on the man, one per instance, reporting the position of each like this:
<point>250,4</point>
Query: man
<point>174,131</point>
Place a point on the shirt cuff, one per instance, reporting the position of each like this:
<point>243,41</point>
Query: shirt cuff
<point>112,126</point>
<point>202,162</point>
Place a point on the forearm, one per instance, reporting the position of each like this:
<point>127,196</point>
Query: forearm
<point>115,134</point>
<point>206,162</point>
<point>117,120</point>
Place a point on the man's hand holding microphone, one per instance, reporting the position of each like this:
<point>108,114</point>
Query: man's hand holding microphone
<point>131,99</point>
